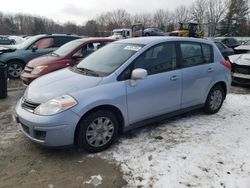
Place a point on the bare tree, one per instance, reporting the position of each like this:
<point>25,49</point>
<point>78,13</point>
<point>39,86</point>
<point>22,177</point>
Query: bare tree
<point>182,14</point>
<point>114,19</point>
<point>198,12</point>
<point>162,18</point>
<point>215,13</point>
<point>146,19</point>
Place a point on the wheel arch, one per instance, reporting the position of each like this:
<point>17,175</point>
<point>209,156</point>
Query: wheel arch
<point>223,85</point>
<point>17,59</point>
<point>111,108</point>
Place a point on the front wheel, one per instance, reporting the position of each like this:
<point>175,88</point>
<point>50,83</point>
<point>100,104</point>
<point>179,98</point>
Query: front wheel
<point>97,131</point>
<point>214,100</point>
<point>14,69</point>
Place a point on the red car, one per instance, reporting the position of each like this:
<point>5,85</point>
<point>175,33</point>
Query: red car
<point>67,55</point>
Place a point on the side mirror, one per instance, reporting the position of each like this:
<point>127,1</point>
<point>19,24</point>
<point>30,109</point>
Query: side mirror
<point>34,48</point>
<point>138,74</point>
<point>77,56</point>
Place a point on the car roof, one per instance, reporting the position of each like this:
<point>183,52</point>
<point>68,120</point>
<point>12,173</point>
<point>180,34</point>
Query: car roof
<point>55,34</point>
<point>159,39</point>
<point>95,39</point>
<point>222,38</point>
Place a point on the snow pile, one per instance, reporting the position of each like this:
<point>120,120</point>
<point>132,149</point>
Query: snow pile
<point>94,180</point>
<point>194,150</point>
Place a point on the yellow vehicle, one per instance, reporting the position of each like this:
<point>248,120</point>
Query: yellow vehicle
<point>188,30</point>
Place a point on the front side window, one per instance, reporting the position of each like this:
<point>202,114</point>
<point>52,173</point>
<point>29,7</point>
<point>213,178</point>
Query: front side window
<point>158,59</point>
<point>195,54</point>
<point>45,43</point>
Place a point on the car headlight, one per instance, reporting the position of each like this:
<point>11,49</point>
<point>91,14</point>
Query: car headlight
<point>38,69</point>
<point>55,106</point>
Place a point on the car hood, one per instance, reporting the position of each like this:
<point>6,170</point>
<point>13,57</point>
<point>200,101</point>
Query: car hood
<point>243,47</point>
<point>43,60</point>
<point>7,48</point>
<point>58,83</point>
<point>243,59</point>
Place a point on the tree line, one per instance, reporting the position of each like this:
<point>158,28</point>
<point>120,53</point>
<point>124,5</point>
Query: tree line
<point>215,18</point>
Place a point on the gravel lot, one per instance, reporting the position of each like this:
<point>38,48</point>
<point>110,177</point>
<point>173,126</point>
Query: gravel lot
<point>193,150</point>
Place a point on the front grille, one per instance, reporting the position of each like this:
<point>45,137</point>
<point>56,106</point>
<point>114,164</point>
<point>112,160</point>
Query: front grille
<point>28,69</point>
<point>241,69</point>
<point>28,105</point>
<point>241,81</point>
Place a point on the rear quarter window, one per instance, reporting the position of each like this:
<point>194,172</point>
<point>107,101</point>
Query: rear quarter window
<point>195,54</point>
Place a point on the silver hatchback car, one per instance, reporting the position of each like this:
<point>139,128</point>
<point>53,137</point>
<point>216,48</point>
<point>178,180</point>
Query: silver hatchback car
<point>123,85</point>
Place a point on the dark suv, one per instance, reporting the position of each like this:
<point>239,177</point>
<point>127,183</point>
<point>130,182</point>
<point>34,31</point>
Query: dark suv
<point>228,41</point>
<point>16,56</point>
<point>6,41</point>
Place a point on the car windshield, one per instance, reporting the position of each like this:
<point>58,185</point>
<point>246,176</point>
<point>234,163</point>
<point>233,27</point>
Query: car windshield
<point>118,32</point>
<point>109,58</point>
<point>67,48</point>
<point>28,42</point>
<point>247,42</point>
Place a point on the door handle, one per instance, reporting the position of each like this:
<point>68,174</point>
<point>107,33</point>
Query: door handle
<point>174,78</point>
<point>210,69</point>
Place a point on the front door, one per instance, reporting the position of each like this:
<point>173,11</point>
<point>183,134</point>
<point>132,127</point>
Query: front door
<point>160,92</point>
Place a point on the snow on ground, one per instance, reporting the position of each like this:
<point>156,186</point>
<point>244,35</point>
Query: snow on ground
<point>193,150</point>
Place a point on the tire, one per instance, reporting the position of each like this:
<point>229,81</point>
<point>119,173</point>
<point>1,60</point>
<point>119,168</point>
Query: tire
<point>92,130</point>
<point>14,69</point>
<point>214,100</point>
<point>147,34</point>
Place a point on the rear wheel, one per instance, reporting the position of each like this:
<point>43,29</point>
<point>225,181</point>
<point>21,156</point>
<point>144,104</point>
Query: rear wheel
<point>97,131</point>
<point>14,69</point>
<point>214,100</point>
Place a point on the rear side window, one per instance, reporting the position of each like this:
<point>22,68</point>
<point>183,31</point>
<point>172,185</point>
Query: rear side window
<point>195,54</point>
<point>61,40</point>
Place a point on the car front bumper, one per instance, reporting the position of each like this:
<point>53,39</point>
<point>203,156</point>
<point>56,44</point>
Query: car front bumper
<point>51,131</point>
<point>242,79</point>
<point>27,78</point>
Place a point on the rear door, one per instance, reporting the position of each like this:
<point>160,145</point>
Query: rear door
<point>198,70</point>
<point>160,92</point>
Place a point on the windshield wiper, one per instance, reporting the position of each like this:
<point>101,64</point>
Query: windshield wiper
<point>87,71</point>
<point>54,54</point>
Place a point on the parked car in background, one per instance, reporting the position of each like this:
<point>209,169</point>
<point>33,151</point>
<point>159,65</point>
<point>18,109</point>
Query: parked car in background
<point>242,49</point>
<point>241,68</point>
<point>16,56</point>
<point>67,55</point>
<point>4,40</point>
<point>16,39</point>
<point>228,41</point>
<point>121,86</point>
<point>153,32</point>
<point>225,51</point>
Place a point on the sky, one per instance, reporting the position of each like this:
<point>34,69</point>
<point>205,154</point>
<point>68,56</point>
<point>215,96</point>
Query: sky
<point>79,11</point>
